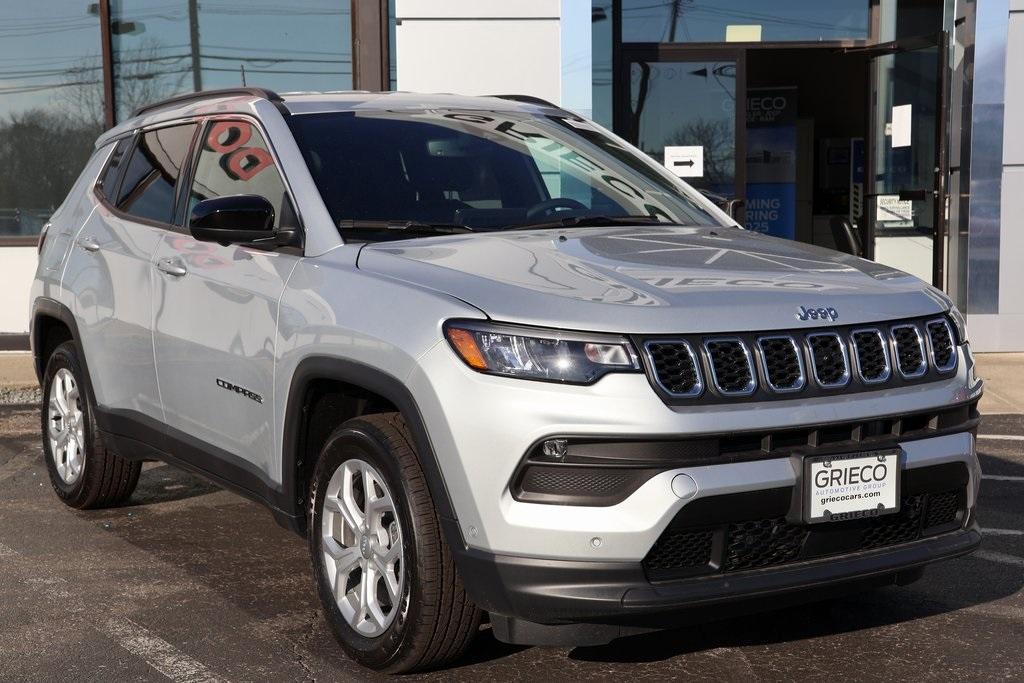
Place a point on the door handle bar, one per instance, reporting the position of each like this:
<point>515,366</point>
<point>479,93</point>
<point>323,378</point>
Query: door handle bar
<point>88,243</point>
<point>171,267</point>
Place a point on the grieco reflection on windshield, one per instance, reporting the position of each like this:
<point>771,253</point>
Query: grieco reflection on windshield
<point>483,169</point>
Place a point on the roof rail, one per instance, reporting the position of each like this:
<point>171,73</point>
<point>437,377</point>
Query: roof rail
<point>205,94</point>
<point>527,99</point>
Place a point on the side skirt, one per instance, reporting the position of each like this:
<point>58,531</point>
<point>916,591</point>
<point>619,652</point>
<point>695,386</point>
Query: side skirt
<point>139,437</point>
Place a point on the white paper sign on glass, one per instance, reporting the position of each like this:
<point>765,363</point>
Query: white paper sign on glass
<point>686,161</point>
<point>902,116</point>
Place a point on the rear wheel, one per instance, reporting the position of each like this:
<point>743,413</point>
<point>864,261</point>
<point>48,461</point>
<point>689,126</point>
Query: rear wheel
<point>83,471</point>
<point>385,577</point>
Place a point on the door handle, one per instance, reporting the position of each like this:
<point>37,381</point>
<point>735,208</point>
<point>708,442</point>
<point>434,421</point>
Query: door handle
<point>88,243</point>
<point>172,266</point>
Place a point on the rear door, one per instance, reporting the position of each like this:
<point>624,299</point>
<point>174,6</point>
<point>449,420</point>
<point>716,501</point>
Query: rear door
<point>109,271</point>
<point>216,307</point>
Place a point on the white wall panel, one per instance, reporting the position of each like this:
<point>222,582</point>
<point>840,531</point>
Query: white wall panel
<point>17,268</point>
<point>479,48</point>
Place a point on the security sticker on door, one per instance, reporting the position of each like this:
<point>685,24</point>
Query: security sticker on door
<point>842,487</point>
<point>685,161</point>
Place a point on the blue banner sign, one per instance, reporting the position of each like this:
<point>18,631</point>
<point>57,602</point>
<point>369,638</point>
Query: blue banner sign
<point>771,161</point>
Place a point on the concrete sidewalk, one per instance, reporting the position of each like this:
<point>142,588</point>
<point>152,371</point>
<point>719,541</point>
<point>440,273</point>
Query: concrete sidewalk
<point>1003,374</point>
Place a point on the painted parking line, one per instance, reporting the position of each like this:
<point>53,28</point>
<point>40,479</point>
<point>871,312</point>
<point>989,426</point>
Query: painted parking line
<point>1002,477</point>
<point>1003,532</point>
<point>157,652</point>
<point>1002,558</point>
<point>1001,437</point>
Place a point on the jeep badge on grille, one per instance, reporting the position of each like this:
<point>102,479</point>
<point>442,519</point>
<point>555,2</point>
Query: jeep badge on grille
<point>804,313</point>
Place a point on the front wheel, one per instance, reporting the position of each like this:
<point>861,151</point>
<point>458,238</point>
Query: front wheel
<point>385,577</point>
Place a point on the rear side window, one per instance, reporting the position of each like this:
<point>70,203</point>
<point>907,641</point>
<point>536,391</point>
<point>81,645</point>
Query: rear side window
<point>112,173</point>
<point>147,190</point>
<point>234,159</point>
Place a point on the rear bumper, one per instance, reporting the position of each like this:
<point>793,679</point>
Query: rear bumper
<point>564,602</point>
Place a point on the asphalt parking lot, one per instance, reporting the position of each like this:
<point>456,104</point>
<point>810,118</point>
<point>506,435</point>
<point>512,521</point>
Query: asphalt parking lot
<point>192,583</point>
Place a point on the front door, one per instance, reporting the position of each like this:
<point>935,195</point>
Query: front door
<point>682,110</point>
<point>215,311</point>
<point>906,169</point>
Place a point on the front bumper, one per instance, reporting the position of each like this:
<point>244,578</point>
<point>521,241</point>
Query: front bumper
<point>480,427</point>
<point>576,603</point>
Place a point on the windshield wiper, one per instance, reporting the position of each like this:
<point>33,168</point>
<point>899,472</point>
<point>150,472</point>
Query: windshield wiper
<point>414,227</point>
<point>588,221</point>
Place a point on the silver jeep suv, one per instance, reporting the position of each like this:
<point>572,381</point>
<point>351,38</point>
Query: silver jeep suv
<point>491,359</point>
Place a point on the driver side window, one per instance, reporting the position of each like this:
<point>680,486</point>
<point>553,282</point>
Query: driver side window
<point>234,159</point>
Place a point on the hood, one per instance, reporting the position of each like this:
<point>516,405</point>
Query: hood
<point>653,279</point>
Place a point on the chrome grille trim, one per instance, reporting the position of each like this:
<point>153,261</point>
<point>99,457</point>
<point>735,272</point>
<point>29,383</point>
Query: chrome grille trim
<point>887,372</point>
<point>845,378</point>
<point>801,380</point>
<point>751,372</point>
<point>923,367</point>
<point>953,354</point>
<point>698,387</point>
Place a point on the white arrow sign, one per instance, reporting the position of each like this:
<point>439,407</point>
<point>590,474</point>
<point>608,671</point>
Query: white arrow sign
<point>685,161</point>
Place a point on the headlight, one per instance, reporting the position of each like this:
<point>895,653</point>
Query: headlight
<point>532,353</point>
<point>959,323</point>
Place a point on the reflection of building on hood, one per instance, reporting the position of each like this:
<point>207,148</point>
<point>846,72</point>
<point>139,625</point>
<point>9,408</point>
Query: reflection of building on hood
<point>695,248</point>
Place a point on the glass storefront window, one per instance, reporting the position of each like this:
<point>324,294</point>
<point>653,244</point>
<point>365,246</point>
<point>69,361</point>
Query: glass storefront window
<point>691,104</point>
<point>715,21</point>
<point>601,61</point>
<point>51,106</point>
<point>162,49</point>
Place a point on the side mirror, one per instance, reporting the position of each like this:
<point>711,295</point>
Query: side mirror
<point>729,205</point>
<point>234,219</point>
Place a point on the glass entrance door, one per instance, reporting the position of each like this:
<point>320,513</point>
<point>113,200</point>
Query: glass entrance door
<point>906,200</point>
<point>682,111</point>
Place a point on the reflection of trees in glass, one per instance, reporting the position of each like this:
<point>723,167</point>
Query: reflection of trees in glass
<point>43,152</point>
<point>717,137</point>
<point>44,149</point>
<point>147,74</point>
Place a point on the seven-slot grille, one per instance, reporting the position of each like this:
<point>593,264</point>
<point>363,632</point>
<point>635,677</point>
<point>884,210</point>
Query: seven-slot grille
<point>781,363</point>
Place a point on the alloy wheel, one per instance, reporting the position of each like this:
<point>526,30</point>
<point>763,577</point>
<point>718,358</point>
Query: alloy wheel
<point>362,549</point>
<point>66,426</point>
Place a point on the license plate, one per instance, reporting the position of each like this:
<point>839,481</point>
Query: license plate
<point>853,486</point>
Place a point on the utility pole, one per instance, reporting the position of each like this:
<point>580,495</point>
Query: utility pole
<point>193,37</point>
<point>673,19</point>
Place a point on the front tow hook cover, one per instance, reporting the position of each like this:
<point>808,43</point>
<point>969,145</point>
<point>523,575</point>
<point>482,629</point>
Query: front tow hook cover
<point>684,486</point>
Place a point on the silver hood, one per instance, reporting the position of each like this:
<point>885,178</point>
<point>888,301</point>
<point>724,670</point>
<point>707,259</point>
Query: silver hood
<point>657,279</point>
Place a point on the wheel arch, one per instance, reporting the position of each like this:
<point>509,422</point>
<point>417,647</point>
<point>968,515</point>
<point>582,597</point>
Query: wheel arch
<point>374,382</point>
<point>52,324</point>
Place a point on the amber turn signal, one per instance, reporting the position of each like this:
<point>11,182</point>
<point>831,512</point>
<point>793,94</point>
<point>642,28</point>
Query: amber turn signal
<point>465,344</point>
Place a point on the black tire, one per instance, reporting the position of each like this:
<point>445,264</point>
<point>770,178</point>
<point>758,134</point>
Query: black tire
<point>106,480</point>
<point>438,622</point>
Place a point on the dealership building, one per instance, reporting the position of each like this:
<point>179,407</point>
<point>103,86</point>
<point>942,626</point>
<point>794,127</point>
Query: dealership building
<point>880,127</point>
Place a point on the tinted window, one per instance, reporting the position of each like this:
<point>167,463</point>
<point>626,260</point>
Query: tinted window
<point>112,172</point>
<point>147,190</point>
<point>483,170</point>
<point>234,159</point>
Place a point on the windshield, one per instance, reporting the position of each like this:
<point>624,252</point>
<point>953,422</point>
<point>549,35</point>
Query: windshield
<point>482,171</point>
